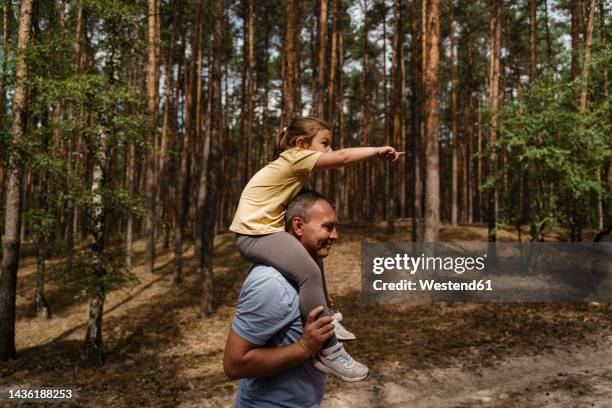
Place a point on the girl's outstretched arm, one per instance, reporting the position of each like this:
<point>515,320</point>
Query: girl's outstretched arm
<point>351,155</point>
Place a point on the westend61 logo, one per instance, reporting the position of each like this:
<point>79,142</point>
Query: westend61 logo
<point>487,272</point>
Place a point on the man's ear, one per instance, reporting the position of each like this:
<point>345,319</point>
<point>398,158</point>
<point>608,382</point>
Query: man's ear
<point>297,224</point>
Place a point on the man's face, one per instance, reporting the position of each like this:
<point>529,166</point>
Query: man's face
<point>319,233</point>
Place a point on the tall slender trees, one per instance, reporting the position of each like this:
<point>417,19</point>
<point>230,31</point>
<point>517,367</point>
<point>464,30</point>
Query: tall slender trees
<point>152,77</point>
<point>432,175</point>
<point>12,218</point>
<point>209,210</point>
<point>321,70</point>
<point>251,87</point>
<point>533,29</point>
<point>291,83</point>
<point>586,65</point>
<point>454,124</point>
<point>493,100</point>
<point>397,110</point>
<point>416,82</point>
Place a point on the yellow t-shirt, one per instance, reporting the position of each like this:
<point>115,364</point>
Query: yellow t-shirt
<point>262,206</point>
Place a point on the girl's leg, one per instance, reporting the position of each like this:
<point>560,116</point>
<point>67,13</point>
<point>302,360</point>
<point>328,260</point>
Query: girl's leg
<point>322,268</point>
<point>284,252</point>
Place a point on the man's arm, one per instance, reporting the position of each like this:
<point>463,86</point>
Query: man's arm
<point>244,359</point>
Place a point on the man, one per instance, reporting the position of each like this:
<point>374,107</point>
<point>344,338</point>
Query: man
<point>268,347</point>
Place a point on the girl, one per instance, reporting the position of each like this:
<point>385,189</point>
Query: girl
<point>300,148</point>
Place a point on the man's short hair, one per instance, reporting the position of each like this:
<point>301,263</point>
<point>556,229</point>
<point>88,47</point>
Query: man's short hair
<point>301,204</point>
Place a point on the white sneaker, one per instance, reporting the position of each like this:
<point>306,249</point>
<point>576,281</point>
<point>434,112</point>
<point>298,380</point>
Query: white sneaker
<point>336,361</point>
<point>341,332</point>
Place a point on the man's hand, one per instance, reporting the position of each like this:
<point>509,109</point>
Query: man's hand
<point>316,331</point>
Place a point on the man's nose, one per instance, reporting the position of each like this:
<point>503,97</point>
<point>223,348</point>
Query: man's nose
<point>334,234</point>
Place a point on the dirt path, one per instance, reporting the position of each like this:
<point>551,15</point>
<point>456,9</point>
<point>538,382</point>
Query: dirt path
<point>160,353</point>
<point>571,377</point>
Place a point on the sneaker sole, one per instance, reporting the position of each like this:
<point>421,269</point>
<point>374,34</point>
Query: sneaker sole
<point>342,338</point>
<point>322,367</point>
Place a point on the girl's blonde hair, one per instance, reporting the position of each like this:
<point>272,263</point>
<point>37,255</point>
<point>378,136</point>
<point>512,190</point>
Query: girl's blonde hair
<point>306,128</point>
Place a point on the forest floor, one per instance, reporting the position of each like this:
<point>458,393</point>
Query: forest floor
<point>160,353</point>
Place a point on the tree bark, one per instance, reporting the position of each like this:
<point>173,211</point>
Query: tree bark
<point>432,176</point>
<point>251,86</point>
<point>366,121</point>
<point>291,63</point>
<point>266,84</point>
<point>533,27</point>
<point>3,86</point>
<point>93,344</point>
<point>152,100</point>
<point>587,58</point>
<point>322,58</point>
<point>344,175</point>
<point>397,107</point>
<point>575,33</point>
<point>454,126</point>
<point>12,218</point>
<point>184,179</point>
<point>603,39</point>
<point>333,66</point>
<point>415,122</point>
<point>42,306</point>
<point>494,81</point>
<point>469,133</point>
<point>210,208</point>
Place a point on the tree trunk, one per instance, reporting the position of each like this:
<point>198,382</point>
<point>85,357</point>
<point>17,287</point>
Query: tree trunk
<point>533,27</point>
<point>184,179</point>
<point>320,106</point>
<point>93,344</point>
<point>203,181</point>
<point>12,216</point>
<point>432,176</point>
<point>291,63</point>
<point>575,32</point>
<point>152,98</point>
<point>397,106</point>
<point>387,119</point>
<point>343,175</point>
<point>331,83</point>
<point>42,306</point>
<point>366,121</point>
<point>251,86</point>
<point>454,126</point>
<point>265,132</point>
<point>494,81</point>
<point>603,38</point>
<point>587,58</point>
<point>415,123</point>
<point>210,208</point>
<point>469,133</point>
<point>3,86</point>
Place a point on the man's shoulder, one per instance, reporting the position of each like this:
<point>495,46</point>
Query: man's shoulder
<point>267,304</point>
<point>268,280</point>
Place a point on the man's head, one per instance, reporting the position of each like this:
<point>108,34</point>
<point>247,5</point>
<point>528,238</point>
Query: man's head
<point>311,218</point>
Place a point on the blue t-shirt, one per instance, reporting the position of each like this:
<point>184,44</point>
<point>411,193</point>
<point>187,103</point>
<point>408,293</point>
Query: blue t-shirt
<point>268,315</point>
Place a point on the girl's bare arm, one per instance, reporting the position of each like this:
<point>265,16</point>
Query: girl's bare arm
<point>352,155</point>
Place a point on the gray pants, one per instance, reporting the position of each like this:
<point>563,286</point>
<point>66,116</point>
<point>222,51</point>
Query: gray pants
<point>285,253</point>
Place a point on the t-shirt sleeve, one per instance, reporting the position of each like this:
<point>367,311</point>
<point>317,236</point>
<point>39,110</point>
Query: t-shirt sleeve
<point>302,161</point>
<point>264,309</point>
